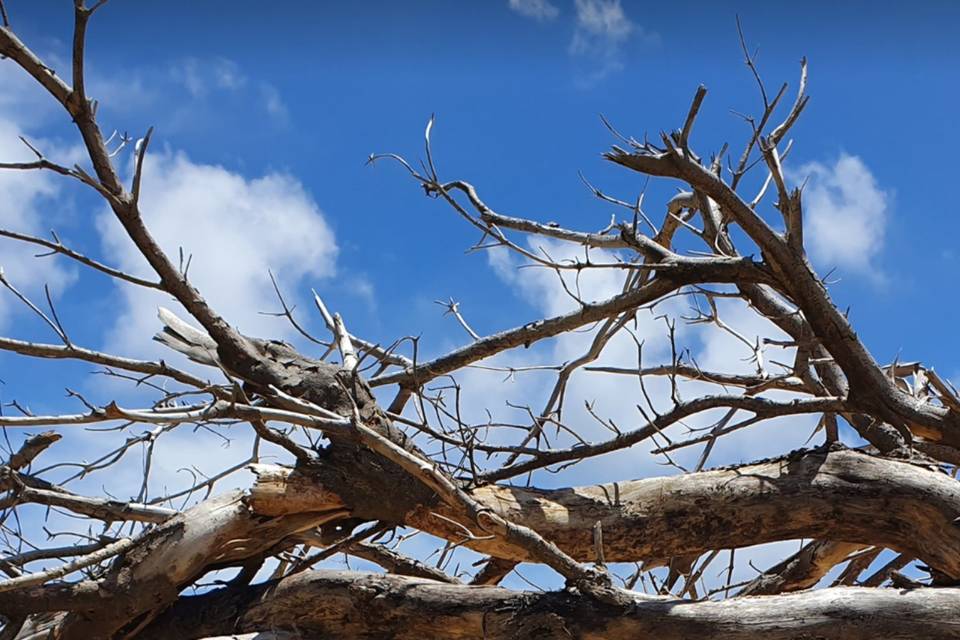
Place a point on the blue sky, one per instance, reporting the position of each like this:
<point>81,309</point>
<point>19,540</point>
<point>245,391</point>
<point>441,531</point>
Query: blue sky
<point>517,115</point>
<point>265,116</point>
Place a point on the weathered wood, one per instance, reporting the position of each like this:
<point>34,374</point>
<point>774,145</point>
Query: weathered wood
<point>802,570</point>
<point>829,494</point>
<point>342,604</point>
<point>151,575</point>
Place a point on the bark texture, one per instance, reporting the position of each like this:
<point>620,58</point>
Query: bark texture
<point>325,604</point>
<point>832,494</point>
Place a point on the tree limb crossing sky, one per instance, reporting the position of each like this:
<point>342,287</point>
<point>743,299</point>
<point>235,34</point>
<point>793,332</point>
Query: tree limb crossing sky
<point>265,114</point>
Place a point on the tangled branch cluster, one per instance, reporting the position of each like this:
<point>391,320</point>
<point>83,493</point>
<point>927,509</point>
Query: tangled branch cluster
<point>359,478</point>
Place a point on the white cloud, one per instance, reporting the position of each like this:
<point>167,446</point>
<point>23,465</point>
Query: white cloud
<point>227,74</point>
<point>537,9</point>
<point>22,100</point>
<point>133,91</point>
<point>31,199</point>
<point>616,396</point>
<point>846,214</point>
<point>187,92</point>
<point>235,229</point>
<point>602,29</point>
<point>720,350</point>
<point>206,85</point>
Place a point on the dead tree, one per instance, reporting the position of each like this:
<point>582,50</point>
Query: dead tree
<point>384,470</point>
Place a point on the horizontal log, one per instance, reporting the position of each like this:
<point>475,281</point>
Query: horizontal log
<point>831,495</point>
<point>344,604</point>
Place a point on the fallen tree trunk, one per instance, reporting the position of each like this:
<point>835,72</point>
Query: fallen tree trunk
<point>825,494</point>
<point>839,495</point>
<point>345,604</point>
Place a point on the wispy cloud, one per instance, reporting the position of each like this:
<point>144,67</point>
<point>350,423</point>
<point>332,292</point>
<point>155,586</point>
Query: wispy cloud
<point>188,91</point>
<point>363,288</point>
<point>201,76</point>
<point>541,10</point>
<point>273,103</point>
<point>601,25</point>
<point>602,29</point>
<point>846,214</point>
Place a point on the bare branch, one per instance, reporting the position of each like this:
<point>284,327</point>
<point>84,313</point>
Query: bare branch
<point>108,551</point>
<point>56,246</point>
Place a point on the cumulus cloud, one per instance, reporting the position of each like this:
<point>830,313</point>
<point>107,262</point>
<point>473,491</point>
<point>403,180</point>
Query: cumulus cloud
<point>29,207</point>
<point>537,9</point>
<point>732,350</point>
<point>235,229</point>
<point>846,213</point>
<point>602,29</point>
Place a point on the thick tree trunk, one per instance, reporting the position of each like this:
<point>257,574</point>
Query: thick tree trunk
<point>341,604</point>
<point>838,495</point>
<point>824,494</point>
